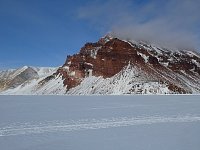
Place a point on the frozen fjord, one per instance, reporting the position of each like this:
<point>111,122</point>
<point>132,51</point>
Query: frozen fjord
<point>100,122</point>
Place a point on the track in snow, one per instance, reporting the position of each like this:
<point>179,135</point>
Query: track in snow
<point>89,124</point>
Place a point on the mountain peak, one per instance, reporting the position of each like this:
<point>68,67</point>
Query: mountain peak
<point>110,55</point>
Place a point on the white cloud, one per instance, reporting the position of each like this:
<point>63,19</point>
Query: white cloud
<point>169,23</point>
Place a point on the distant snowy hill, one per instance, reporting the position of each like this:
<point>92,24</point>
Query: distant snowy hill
<point>25,80</point>
<point>111,66</point>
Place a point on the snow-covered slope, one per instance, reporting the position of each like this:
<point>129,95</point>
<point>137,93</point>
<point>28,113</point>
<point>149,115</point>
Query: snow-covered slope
<point>129,81</point>
<point>30,80</point>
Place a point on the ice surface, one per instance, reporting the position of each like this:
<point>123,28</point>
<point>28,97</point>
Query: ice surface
<point>100,122</point>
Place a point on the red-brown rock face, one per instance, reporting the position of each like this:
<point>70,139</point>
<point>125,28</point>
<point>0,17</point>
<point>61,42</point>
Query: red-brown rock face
<point>109,55</point>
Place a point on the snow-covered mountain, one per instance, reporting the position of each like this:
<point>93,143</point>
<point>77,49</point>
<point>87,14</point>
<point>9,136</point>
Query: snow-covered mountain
<point>23,80</point>
<point>112,66</point>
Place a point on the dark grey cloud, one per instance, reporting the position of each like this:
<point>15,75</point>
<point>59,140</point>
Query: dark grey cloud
<point>172,23</point>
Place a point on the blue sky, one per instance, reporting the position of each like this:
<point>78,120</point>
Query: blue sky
<point>44,32</point>
<point>41,32</point>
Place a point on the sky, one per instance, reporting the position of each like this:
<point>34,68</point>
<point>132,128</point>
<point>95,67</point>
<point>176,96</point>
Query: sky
<point>44,32</point>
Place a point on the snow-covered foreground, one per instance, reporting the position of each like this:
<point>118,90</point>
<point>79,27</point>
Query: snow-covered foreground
<point>100,122</point>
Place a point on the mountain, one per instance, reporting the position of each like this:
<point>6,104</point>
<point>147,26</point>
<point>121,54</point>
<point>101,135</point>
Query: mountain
<point>22,80</point>
<point>117,66</point>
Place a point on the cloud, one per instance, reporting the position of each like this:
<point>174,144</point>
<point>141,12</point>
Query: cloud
<point>168,23</point>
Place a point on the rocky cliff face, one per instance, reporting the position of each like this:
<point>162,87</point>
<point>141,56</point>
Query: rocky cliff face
<point>179,71</point>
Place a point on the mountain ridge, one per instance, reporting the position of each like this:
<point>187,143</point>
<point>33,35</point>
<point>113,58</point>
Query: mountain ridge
<point>117,66</point>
